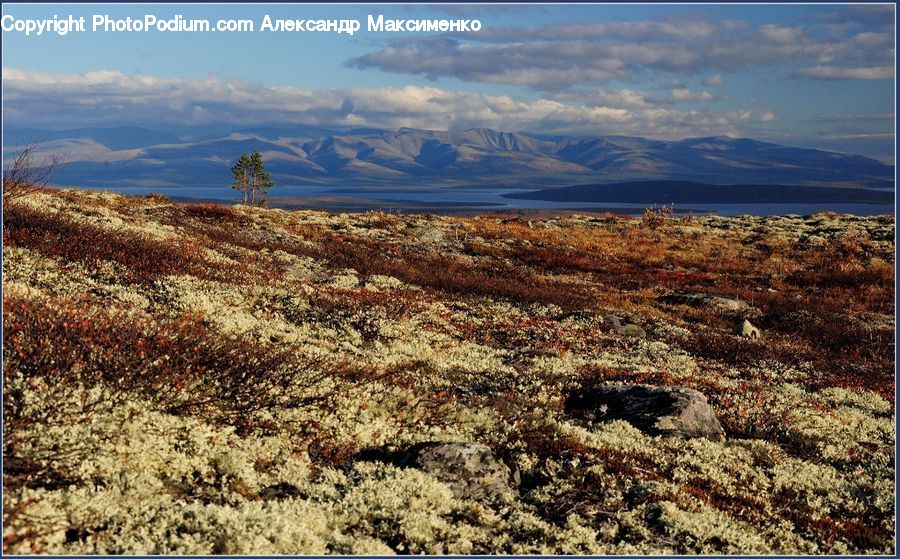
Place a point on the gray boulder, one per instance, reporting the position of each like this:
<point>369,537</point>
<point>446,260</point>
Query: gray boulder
<point>747,330</point>
<point>631,331</point>
<point>279,491</point>
<point>656,410</point>
<point>426,233</point>
<point>469,469</point>
<point>576,316</point>
<point>613,320</point>
<point>627,329</point>
<point>704,300</point>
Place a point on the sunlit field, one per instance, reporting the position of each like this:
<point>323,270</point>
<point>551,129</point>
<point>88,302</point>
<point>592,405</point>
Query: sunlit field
<point>224,379</point>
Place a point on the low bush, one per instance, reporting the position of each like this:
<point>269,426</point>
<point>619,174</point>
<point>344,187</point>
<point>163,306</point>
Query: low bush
<point>158,198</point>
<point>179,364</point>
<point>654,218</point>
<point>448,274</point>
<point>216,213</point>
<point>144,258</point>
<point>554,259</point>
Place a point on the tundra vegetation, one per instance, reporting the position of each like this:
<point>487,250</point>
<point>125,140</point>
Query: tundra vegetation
<point>238,380</point>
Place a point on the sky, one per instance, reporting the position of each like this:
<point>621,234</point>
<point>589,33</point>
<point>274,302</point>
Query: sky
<point>805,75</point>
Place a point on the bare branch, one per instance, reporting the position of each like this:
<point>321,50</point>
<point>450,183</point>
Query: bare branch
<point>24,175</point>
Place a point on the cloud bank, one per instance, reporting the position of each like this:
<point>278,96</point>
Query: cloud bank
<point>562,56</point>
<point>100,98</point>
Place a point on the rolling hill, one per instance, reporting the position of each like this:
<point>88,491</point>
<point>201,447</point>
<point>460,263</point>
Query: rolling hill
<point>316,155</point>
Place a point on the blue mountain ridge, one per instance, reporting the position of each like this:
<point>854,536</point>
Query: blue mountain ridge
<point>304,155</point>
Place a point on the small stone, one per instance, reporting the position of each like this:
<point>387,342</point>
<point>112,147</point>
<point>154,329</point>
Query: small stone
<point>576,316</point>
<point>664,410</point>
<point>747,330</point>
<point>469,469</point>
<point>704,300</point>
<point>279,491</point>
<point>426,234</point>
<point>612,320</point>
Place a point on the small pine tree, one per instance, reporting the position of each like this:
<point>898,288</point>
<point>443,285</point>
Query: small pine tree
<point>251,179</point>
<point>242,177</point>
<point>262,181</point>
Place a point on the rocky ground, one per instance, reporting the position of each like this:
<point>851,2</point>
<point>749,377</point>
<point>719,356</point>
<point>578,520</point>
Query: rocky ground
<point>212,379</point>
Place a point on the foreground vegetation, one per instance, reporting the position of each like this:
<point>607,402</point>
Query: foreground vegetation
<point>212,379</point>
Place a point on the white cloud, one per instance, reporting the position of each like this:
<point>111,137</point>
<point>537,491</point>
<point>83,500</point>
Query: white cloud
<point>557,57</point>
<point>852,73</point>
<point>879,136</point>
<point>683,94</point>
<point>101,98</point>
<point>714,81</point>
<point>886,118</point>
<point>621,98</point>
<point>781,33</point>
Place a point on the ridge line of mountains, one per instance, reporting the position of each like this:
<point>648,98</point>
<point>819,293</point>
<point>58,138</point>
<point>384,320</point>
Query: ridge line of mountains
<point>310,155</point>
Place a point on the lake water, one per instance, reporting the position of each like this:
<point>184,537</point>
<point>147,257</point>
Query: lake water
<point>486,199</point>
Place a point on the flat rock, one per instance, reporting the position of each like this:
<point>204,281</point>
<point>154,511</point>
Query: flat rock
<point>279,491</point>
<point>426,234</point>
<point>704,300</point>
<point>664,410</point>
<point>627,329</point>
<point>631,331</point>
<point>576,316</point>
<point>469,469</point>
<point>746,329</point>
<point>613,320</point>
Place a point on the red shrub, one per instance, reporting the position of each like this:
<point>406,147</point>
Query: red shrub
<point>722,347</point>
<point>145,258</point>
<point>210,212</point>
<point>178,363</point>
<point>682,278</point>
<point>562,260</point>
<point>448,274</point>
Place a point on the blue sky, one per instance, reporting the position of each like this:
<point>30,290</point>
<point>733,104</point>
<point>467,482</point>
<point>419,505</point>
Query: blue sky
<point>820,76</point>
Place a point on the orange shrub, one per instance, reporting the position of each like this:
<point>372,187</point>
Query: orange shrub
<point>210,212</point>
<point>179,363</point>
<point>144,258</point>
<point>448,274</point>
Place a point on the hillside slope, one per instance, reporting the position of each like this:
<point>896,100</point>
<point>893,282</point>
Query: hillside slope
<point>211,379</point>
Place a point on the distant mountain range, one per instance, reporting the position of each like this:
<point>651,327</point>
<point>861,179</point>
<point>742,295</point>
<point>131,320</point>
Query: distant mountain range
<point>409,157</point>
